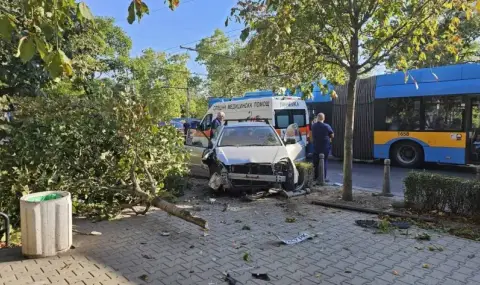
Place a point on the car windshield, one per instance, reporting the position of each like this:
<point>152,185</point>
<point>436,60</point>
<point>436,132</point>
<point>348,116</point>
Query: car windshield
<point>249,136</point>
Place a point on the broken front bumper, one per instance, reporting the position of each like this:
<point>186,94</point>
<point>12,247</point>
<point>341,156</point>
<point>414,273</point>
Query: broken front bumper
<point>257,177</point>
<point>240,180</point>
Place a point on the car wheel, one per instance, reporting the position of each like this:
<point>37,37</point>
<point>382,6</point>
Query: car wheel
<point>407,154</point>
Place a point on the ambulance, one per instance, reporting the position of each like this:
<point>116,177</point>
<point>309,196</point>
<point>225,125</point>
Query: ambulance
<point>280,111</point>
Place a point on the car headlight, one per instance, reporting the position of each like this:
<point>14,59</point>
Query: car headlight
<point>282,165</point>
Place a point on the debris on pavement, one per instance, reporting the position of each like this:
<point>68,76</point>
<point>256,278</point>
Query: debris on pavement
<point>231,280</point>
<point>256,196</point>
<point>246,257</point>
<point>246,228</point>
<point>147,256</point>
<point>290,194</point>
<point>400,225</point>
<point>225,207</point>
<point>92,233</point>
<point>143,277</point>
<point>435,248</point>
<point>290,220</point>
<point>423,236</point>
<point>395,272</point>
<point>302,237</point>
<point>261,276</point>
<point>470,256</point>
<point>370,224</point>
<point>426,266</point>
<point>164,234</point>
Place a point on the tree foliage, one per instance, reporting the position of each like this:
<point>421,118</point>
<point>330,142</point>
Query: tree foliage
<point>37,27</point>
<point>439,53</point>
<point>341,40</point>
<point>159,78</point>
<point>223,58</point>
<point>102,149</point>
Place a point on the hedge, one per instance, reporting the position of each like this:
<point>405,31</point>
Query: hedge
<point>429,192</point>
<point>305,173</point>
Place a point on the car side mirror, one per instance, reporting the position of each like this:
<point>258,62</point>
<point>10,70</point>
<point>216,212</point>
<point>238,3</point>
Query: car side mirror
<point>290,141</point>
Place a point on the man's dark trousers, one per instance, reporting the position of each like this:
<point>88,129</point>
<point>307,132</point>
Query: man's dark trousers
<point>316,163</point>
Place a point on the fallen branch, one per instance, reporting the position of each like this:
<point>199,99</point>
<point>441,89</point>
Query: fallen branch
<point>371,211</point>
<point>179,213</point>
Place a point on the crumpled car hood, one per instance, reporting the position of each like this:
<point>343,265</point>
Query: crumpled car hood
<point>253,154</point>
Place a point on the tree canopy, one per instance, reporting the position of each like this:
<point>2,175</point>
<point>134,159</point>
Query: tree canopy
<point>341,40</point>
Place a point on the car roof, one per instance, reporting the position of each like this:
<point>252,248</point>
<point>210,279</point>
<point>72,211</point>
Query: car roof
<point>248,124</point>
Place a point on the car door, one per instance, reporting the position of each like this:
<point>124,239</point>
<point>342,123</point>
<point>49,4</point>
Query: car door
<point>196,143</point>
<point>294,143</point>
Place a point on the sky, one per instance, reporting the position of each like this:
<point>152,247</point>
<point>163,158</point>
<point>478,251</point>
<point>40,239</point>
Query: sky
<point>166,30</point>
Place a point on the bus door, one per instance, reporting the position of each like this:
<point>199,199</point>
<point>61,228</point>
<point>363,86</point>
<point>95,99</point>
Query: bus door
<point>473,132</point>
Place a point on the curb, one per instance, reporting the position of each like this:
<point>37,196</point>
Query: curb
<point>370,211</point>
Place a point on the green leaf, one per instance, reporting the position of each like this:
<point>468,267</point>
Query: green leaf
<point>6,27</point>
<point>85,11</point>
<point>58,63</point>
<point>288,29</point>
<point>422,56</point>
<point>226,22</point>
<point>131,13</point>
<point>244,34</point>
<point>141,8</point>
<point>26,49</point>
<point>41,47</point>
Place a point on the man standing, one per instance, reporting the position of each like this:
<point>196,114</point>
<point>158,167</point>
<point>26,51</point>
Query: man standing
<point>322,133</point>
<point>217,122</point>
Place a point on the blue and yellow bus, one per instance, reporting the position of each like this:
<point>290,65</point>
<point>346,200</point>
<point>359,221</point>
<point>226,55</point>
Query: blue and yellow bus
<point>433,117</point>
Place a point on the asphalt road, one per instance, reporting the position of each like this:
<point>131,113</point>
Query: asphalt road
<point>369,176</point>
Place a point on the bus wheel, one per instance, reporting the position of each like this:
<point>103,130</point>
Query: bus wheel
<point>407,154</point>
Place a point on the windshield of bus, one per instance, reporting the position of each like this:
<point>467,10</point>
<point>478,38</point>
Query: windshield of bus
<point>249,136</point>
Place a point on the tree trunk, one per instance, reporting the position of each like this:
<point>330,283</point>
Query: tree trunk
<point>348,143</point>
<point>179,213</point>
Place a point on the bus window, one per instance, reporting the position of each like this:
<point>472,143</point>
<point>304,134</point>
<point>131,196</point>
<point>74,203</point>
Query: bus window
<point>403,114</point>
<point>444,113</point>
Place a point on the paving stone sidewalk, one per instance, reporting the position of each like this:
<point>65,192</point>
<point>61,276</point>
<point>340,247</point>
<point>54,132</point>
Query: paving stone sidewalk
<point>134,251</point>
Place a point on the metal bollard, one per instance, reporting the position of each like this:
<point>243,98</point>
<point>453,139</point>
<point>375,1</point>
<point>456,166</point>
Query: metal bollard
<point>7,228</point>
<point>386,179</point>
<point>477,170</point>
<point>321,170</point>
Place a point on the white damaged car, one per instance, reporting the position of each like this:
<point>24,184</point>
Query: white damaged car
<point>251,155</point>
